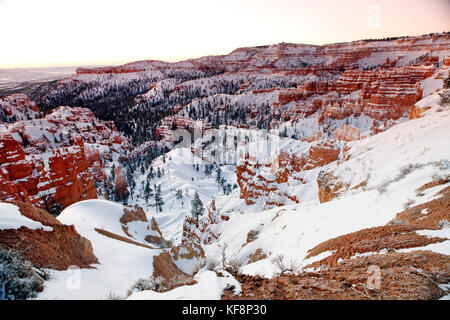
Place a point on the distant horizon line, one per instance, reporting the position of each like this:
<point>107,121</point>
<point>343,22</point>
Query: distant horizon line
<point>180,59</point>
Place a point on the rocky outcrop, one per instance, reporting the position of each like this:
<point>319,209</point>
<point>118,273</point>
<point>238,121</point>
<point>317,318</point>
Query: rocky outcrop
<point>187,250</point>
<point>106,70</point>
<point>158,238</point>
<point>131,214</point>
<point>272,179</point>
<point>433,214</point>
<point>17,107</point>
<point>322,154</point>
<point>171,276</point>
<point>53,183</point>
<point>329,186</point>
<point>120,183</point>
<point>54,161</point>
<point>56,249</point>
<point>403,276</point>
<point>368,264</point>
<point>372,240</point>
<point>166,130</point>
<point>347,133</point>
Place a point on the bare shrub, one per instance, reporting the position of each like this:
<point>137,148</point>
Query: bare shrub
<point>151,283</point>
<point>113,296</point>
<point>285,267</point>
<point>212,265</point>
<point>408,169</point>
<point>445,98</point>
<point>405,170</point>
<point>234,265</point>
<point>176,281</point>
<point>45,274</point>
<point>383,186</point>
<point>200,263</point>
<point>224,256</point>
<point>231,265</point>
<point>408,204</point>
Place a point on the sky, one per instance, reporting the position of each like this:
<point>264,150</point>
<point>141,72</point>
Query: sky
<point>35,33</point>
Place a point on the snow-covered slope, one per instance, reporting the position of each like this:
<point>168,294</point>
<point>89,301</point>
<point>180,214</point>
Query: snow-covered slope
<point>379,180</point>
<point>11,218</point>
<point>293,146</point>
<point>120,263</point>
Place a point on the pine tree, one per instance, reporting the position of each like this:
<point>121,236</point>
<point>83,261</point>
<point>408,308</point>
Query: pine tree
<point>148,192</point>
<point>208,169</point>
<point>158,199</point>
<point>218,175</point>
<point>179,194</point>
<point>151,174</point>
<point>197,206</point>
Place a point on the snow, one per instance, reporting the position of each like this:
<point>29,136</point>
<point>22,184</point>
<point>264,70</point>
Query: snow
<point>395,163</point>
<point>440,247</point>
<point>11,218</point>
<point>208,287</point>
<point>432,84</point>
<point>120,265</point>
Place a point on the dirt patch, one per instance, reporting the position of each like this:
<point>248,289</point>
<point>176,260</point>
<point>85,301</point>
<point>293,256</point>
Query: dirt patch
<point>429,214</point>
<point>257,255</point>
<point>401,275</point>
<point>164,267</point>
<point>133,214</point>
<point>434,183</point>
<point>35,214</point>
<point>252,235</point>
<point>125,230</point>
<point>158,241</point>
<point>121,238</point>
<point>370,240</point>
<point>187,250</point>
<point>412,275</point>
<point>57,249</point>
<point>360,185</point>
<point>329,186</point>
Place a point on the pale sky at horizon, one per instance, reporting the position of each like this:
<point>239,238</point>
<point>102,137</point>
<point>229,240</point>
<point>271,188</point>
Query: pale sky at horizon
<point>88,32</point>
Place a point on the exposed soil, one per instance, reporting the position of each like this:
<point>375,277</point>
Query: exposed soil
<point>121,238</point>
<point>370,240</point>
<point>412,275</point>
<point>257,255</point>
<point>430,214</point>
<point>163,266</point>
<point>159,241</point>
<point>402,275</point>
<point>133,214</point>
<point>57,249</point>
<point>187,250</point>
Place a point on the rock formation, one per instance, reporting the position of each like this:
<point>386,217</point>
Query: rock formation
<point>57,248</point>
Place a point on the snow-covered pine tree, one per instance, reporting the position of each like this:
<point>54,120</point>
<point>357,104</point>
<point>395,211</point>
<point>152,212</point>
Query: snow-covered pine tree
<point>218,175</point>
<point>158,199</point>
<point>197,206</point>
<point>148,192</point>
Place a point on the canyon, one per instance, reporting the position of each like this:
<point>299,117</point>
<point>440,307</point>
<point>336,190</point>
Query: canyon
<point>334,156</point>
